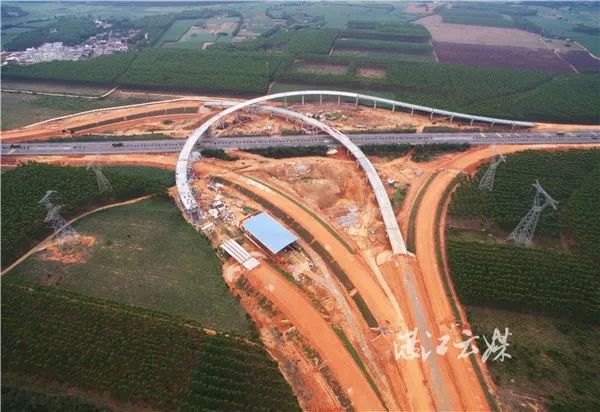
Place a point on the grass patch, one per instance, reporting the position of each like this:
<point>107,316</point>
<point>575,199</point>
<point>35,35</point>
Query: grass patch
<point>146,255</point>
<point>350,348</point>
<point>410,239</point>
<point>23,109</point>
<point>398,196</point>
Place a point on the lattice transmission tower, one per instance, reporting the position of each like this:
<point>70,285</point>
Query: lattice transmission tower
<point>523,233</point>
<point>103,183</point>
<point>65,235</point>
<point>487,180</point>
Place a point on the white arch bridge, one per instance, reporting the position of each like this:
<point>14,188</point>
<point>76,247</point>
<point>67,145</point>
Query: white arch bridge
<point>398,245</point>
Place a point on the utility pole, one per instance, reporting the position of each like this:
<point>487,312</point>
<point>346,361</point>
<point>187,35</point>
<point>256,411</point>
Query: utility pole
<point>523,233</point>
<point>487,180</point>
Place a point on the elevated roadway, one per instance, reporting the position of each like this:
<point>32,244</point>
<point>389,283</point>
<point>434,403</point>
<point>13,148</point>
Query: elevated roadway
<point>124,146</point>
<point>190,205</point>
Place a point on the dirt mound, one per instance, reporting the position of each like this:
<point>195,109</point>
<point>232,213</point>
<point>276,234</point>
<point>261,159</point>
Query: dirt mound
<point>320,182</point>
<point>77,251</point>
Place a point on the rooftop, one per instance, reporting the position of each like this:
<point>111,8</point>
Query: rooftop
<point>269,232</point>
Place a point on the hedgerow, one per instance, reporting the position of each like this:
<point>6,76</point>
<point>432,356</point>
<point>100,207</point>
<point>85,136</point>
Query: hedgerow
<point>409,34</point>
<point>426,152</point>
<point>292,151</point>
<point>401,47</point>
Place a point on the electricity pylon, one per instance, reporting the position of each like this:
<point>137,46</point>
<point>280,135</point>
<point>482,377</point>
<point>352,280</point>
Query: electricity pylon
<point>103,183</point>
<point>523,233</point>
<point>487,180</point>
<point>64,232</point>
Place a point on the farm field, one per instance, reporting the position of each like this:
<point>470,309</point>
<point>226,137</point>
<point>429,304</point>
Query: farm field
<point>178,29</point>
<point>565,28</point>
<point>193,33</point>
<point>188,70</point>
<point>487,36</point>
<point>337,17</point>
<point>546,294</point>
<point>565,99</point>
<point>502,57</point>
<point>581,60</point>
<point>145,255</point>
<point>124,355</point>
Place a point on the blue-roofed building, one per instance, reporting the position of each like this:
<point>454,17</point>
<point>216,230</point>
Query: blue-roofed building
<point>268,232</point>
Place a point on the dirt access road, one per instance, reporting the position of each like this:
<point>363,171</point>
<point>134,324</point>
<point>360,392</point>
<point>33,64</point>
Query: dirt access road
<point>317,331</point>
<point>427,272</point>
<point>411,390</point>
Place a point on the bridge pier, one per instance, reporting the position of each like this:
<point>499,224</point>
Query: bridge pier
<point>393,108</point>
<point>431,116</point>
<point>374,104</point>
<point>302,100</point>
<point>321,99</point>
<point>356,103</point>
<point>412,111</point>
<point>451,118</point>
<point>512,126</point>
<point>471,123</point>
<point>285,101</point>
<point>339,100</point>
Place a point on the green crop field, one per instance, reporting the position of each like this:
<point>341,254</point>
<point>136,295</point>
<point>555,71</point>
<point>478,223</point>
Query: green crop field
<point>552,359</point>
<point>178,29</point>
<point>210,71</point>
<point>128,356</point>
<point>146,255</point>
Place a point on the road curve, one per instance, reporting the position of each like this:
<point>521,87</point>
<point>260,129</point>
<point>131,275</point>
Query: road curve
<point>190,205</point>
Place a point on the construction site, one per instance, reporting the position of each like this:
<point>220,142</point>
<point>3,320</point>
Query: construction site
<point>306,246</point>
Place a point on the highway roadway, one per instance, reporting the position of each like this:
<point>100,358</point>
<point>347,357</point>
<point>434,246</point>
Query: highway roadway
<point>247,142</point>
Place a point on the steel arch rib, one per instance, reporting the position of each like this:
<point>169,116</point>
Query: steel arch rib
<point>397,241</point>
